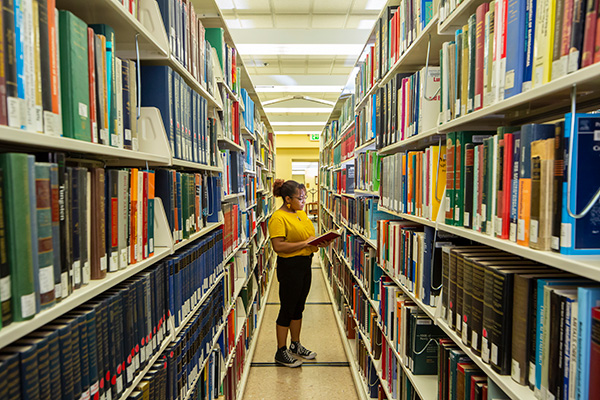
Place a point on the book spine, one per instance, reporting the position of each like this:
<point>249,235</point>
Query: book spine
<point>5,279</point>
<point>577,34</point>
<point>479,54</point>
<point>91,40</point>
<point>44,234</point>
<point>589,33</point>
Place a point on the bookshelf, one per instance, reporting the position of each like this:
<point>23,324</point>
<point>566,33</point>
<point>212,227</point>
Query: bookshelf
<point>144,40</point>
<point>546,103</point>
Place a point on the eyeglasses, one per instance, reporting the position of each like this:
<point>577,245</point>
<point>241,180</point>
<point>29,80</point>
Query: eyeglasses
<point>300,198</point>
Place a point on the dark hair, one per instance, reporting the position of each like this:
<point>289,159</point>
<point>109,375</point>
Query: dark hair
<point>284,189</point>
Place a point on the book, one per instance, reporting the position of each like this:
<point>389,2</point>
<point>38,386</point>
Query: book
<point>579,235</point>
<point>74,79</point>
<point>98,260</point>
<point>44,234</point>
<point>18,233</point>
<point>594,389</point>
<point>516,52</point>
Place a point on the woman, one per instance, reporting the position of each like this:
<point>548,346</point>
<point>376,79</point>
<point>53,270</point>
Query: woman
<point>290,231</point>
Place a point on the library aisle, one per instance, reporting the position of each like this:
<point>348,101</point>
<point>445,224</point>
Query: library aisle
<point>327,377</point>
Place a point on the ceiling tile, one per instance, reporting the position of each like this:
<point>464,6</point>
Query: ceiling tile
<point>331,6</point>
<point>292,6</point>
<point>260,21</point>
<point>254,6</point>
<point>292,21</point>
<point>328,21</point>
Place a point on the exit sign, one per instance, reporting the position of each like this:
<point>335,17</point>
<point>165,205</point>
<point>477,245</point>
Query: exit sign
<point>314,137</point>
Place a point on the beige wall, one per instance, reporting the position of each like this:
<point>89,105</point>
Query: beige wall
<point>294,148</point>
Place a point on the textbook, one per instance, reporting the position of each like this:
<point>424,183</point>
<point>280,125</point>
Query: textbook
<point>326,237</point>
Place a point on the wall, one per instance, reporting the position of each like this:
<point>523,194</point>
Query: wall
<point>294,148</point>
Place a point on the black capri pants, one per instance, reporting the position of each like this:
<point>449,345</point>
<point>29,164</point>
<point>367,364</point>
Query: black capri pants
<point>294,275</point>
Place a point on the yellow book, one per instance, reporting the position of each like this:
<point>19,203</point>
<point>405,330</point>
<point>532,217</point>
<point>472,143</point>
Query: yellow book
<point>464,78</point>
<point>543,43</point>
<point>438,179</point>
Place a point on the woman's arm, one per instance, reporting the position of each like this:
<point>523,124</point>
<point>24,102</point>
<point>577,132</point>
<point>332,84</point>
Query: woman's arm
<point>281,246</point>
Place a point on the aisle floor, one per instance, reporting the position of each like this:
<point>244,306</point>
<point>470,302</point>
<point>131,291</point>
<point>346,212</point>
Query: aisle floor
<point>327,377</point>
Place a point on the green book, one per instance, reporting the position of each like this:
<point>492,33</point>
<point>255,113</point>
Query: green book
<point>5,295</point>
<point>74,79</point>
<point>216,38</point>
<point>425,351</point>
<point>18,234</point>
<point>109,33</point>
<point>450,163</point>
<point>460,141</point>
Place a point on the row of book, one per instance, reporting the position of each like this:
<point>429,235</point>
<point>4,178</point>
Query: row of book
<point>232,227</point>
<point>197,48</point>
<point>249,111</point>
<point>191,200</point>
<point>550,40</point>
<point>361,215</point>
<point>331,131</point>
<point>518,184</point>
<point>95,350</point>
<point>347,112</point>
<point>397,28</point>
<point>414,181</point>
<point>368,171</point>
<point>64,226</point>
<point>406,106</point>
<point>233,170</point>
<point>231,118</point>
<point>191,129</point>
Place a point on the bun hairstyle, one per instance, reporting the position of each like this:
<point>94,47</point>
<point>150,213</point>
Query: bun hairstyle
<point>284,189</point>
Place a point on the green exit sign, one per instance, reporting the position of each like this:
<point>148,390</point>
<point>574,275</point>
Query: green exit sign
<point>314,137</point>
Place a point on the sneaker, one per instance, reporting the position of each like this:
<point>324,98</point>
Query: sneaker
<point>299,350</point>
<point>284,357</point>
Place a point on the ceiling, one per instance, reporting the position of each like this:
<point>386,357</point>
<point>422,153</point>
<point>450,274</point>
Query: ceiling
<point>299,53</point>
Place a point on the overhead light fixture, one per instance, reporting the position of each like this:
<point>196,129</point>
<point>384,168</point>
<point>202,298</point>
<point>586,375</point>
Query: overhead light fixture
<point>299,110</point>
<point>298,123</point>
<point>366,24</point>
<point>310,49</point>
<point>298,89</point>
<point>375,4</point>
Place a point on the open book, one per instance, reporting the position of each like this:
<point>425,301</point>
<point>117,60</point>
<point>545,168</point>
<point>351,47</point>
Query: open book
<point>326,237</point>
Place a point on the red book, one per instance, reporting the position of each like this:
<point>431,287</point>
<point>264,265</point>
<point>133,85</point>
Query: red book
<point>176,228</point>
<point>597,45</point>
<point>134,215</point>
<point>326,237</point>
<point>92,83</point>
<point>589,33</point>
<point>53,35</point>
<point>567,27</point>
<point>504,194</point>
<point>144,243</point>
<point>151,192</point>
<point>595,355</point>
<point>479,50</point>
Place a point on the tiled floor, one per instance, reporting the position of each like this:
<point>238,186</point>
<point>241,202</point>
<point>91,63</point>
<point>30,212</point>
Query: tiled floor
<point>327,377</point>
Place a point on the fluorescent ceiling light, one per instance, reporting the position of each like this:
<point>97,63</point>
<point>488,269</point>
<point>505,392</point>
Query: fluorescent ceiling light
<point>296,132</point>
<point>298,123</point>
<point>366,24</point>
<point>298,89</point>
<point>375,4</point>
<point>299,110</point>
<point>299,49</point>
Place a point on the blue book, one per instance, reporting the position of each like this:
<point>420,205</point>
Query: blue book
<point>20,56</point>
<point>167,12</point>
<point>581,236</point>
<point>427,254</point>
<point>159,94</point>
<point>515,53</point>
<point>458,38</point>
<point>587,297</point>
<point>530,11</point>
<point>514,187</point>
<point>109,34</point>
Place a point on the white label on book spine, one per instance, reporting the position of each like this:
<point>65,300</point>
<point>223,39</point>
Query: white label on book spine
<point>86,272</point>
<point>46,279</point>
<point>532,373</point>
<point>510,79</point>
<point>135,144</point>
<point>485,350</point>
<point>64,282</point>
<point>37,115</point>
<point>127,134</point>
<point>15,120</point>
<point>5,289</point>
<point>108,392</point>
<point>27,305</point>
<point>83,110</point>
<point>573,63</point>
<point>555,243</point>
<point>114,140</point>
<point>94,132</point>
<point>120,384</point>
<point>565,234</point>
<point>533,230</point>
<point>512,235</point>
<point>521,230</point>
<point>103,263</point>
<point>466,218</point>
<point>77,272</point>
<point>477,101</point>
<point>114,261</point>
<point>104,136</point>
<point>465,335</point>
<point>123,260</point>
<point>474,340</point>
<point>458,322</point>
<point>515,371</point>
<point>494,354</point>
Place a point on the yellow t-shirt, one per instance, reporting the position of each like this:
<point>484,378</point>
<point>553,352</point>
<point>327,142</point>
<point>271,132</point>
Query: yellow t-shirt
<point>293,227</point>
